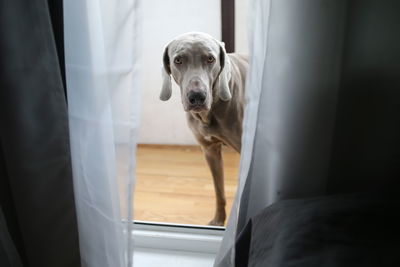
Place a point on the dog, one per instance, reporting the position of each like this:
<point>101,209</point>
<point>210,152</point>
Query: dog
<point>212,84</point>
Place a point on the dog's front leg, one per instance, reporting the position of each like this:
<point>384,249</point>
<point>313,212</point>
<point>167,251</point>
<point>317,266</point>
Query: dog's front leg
<point>214,159</point>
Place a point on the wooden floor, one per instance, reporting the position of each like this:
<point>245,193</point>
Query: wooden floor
<point>174,184</point>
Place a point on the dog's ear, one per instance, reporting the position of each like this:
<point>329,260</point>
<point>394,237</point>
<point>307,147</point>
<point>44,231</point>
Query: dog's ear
<point>224,92</point>
<point>166,90</point>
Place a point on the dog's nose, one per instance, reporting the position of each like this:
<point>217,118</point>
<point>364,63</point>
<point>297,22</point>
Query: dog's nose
<point>196,98</point>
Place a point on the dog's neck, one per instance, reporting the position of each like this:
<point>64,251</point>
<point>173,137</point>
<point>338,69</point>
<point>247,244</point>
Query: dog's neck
<point>202,116</point>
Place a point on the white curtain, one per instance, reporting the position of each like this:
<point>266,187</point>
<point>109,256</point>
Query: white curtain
<point>102,40</point>
<point>291,89</point>
<point>322,114</point>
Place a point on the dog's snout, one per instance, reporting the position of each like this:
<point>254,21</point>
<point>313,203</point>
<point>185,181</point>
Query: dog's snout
<point>196,98</point>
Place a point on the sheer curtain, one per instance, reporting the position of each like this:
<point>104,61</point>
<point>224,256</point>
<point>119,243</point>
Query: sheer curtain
<point>102,40</point>
<point>323,105</point>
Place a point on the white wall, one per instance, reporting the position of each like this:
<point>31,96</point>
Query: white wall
<point>164,122</point>
<point>241,26</point>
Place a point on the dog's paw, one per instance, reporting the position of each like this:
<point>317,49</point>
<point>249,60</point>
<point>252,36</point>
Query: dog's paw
<point>216,222</point>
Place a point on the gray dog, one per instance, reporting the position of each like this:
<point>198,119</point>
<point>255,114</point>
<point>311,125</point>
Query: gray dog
<point>212,91</point>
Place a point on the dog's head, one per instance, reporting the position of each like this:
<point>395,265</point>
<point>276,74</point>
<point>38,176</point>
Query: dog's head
<point>199,65</point>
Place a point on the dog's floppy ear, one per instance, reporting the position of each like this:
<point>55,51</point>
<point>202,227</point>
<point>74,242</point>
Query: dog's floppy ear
<point>166,90</point>
<point>224,92</point>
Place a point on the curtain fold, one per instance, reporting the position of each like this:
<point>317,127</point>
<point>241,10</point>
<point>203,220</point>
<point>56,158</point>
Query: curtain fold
<point>323,105</point>
<point>102,40</point>
<point>36,187</point>
<point>8,252</point>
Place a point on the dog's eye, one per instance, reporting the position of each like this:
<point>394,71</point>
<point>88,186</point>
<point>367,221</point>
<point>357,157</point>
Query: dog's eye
<point>178,60</point>
<point>210,59</point>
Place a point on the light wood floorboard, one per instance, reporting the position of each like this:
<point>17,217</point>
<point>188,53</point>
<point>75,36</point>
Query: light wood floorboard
<point>174,184</point>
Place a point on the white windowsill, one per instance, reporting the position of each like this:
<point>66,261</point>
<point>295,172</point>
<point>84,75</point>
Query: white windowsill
<point>161,244</point>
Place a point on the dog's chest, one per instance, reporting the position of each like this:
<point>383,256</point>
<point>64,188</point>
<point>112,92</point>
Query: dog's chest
<point>214,130</point>
<point>208,128</point>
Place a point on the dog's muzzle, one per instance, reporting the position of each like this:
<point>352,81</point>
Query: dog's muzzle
<point>197,101</point>
<point>196,96</point>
